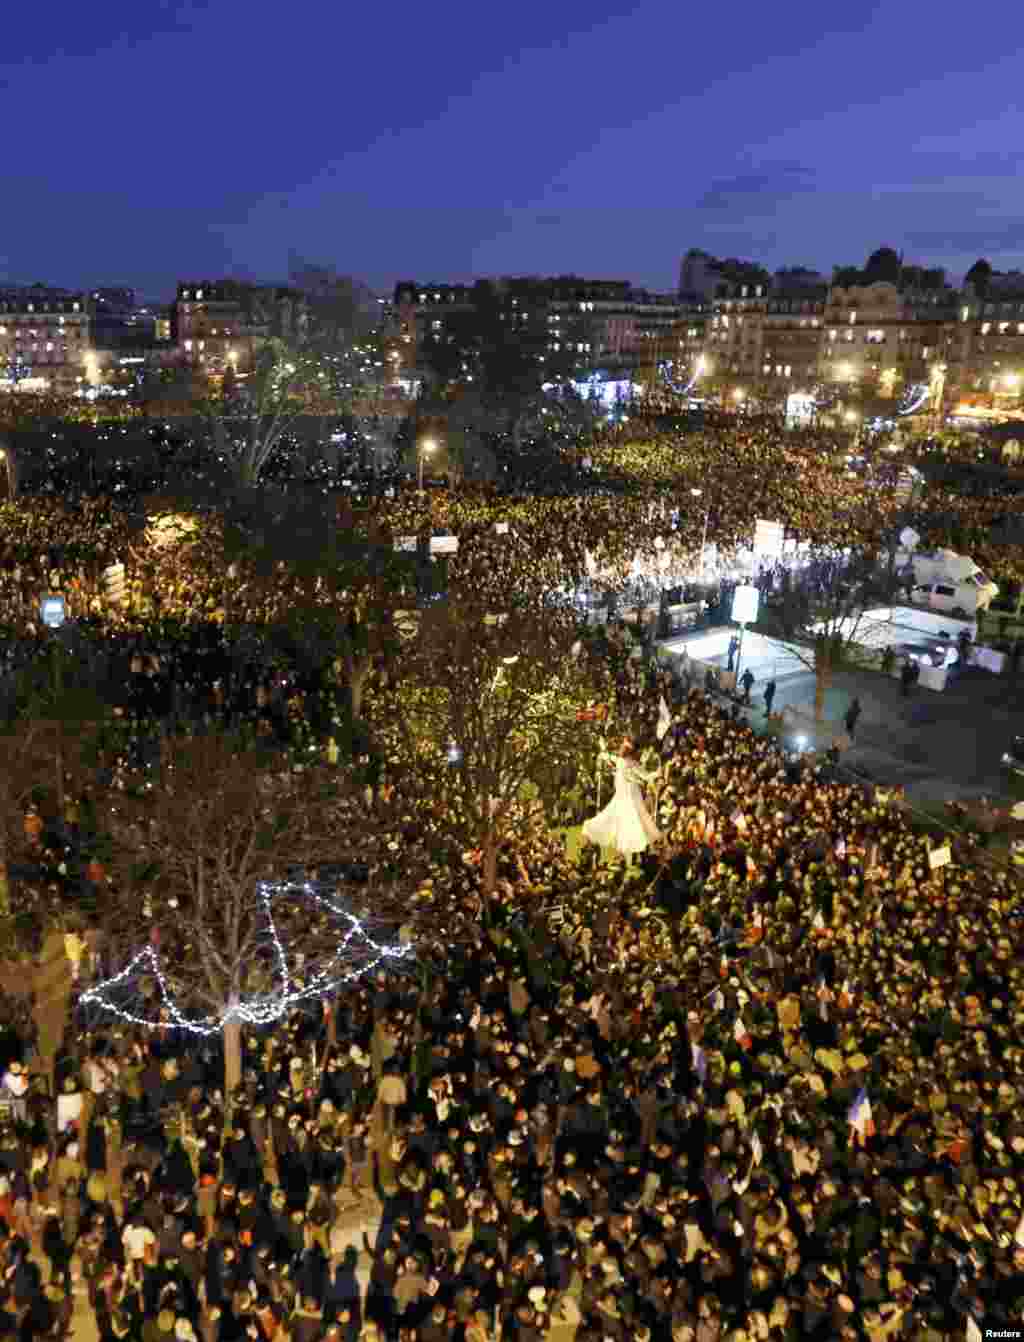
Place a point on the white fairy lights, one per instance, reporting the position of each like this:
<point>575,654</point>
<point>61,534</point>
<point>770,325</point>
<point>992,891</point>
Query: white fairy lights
<point>264,1008</point>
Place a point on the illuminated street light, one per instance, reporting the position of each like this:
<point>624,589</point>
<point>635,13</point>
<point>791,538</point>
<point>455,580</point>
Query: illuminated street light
<point>426,447</point>
<point>9,464</point>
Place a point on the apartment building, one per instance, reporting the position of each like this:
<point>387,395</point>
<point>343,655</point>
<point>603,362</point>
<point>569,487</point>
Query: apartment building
<point>221,324</point>
<point>45,339</point>
<point>884,341</point>
<point>986,363</point>
<point>568,324</point>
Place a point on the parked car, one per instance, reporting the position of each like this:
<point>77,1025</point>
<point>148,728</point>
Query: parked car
<point>953,584</point>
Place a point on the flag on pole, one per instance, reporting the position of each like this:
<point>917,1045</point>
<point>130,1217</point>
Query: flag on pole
<point>859,1117</point>
<point>700,1062</point>
<point>664,719</point>
<point>739,1033</point>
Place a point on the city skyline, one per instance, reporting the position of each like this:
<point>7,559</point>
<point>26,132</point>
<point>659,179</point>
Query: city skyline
<point>192,140</point>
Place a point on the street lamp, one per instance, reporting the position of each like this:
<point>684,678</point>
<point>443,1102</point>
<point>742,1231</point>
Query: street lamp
<point>9,464</point>
<point>426,447</point>
<point>697,493</point>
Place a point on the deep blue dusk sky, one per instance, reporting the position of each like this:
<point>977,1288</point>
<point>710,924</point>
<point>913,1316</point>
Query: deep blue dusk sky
<point>146,142</point>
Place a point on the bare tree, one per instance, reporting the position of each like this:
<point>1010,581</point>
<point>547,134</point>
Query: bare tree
<point>210,908</point>
<point>246,421</point>
<point>824,611</point>
<point>488,715</point>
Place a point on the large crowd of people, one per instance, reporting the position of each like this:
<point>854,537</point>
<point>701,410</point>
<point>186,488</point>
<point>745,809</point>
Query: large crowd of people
<point>625,1101</point>
<point>760,1081</point>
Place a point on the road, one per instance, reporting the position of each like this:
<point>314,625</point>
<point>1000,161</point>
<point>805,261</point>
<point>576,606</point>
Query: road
<point>937,746</point>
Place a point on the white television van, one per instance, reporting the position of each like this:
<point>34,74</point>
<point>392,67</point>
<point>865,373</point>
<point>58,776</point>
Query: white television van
<point>952,583</point>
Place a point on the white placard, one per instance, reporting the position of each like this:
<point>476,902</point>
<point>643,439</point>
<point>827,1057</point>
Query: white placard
<point>52,612</point>
<point>745,601</point>
<point>501,528</point>
<point>444,545</point>
<point>939,857</point>
<point>768,537</point>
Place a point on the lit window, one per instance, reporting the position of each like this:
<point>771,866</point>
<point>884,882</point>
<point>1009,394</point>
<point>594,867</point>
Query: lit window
<point>556,346</point>
<point>778,370</point>
<point>767,368</point>
<point>188,346</point>
<point>49,344</point>
<point>76,307</point>
<point>1003,327</point>
<point>186,293</point>
<point>986,327</point>
<point>832,335</point>
<point>789,370</point>
<point>199,295</point>
<point>435,326</point>
<point>437,298</point>
<point>3,330</point>
<point>423,298</point>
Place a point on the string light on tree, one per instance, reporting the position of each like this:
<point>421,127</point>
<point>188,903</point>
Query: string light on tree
<point>355,954</point>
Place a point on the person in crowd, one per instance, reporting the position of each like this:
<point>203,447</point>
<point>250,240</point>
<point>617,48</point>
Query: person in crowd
<point>852,717</point>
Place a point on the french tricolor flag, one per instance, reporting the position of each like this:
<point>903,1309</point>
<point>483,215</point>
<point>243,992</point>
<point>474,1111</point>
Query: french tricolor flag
<point>859,1117</point>
<point>739,1031</point>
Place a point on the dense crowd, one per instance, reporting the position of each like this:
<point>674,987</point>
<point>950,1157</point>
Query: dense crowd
<point>764,1084</point>
<point>625,1103</point>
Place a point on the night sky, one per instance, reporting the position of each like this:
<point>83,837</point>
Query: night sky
<point>147,142</point>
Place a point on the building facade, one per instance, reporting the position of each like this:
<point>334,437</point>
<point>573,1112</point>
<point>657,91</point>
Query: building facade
<point>223,324</point>
<point>45,339</point>
<point>568,326</point>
